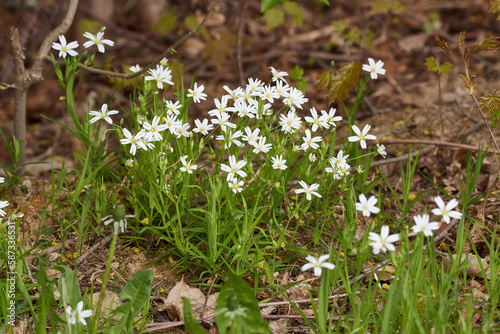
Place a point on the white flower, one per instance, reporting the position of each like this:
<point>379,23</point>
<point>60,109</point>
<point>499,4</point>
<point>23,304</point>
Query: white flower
<point>422,225</point>
<point>97,40</point>
<point>129,163</point>
<point>181,130</point>
<point>173,108</point>
<point>295,98</point>
<point>317,264</point>
<point>133,140</point>
<point>361,135</point>
<point>234,168</point>
<point>160,75</point>
<point>310,142</point>
<point>103,114</point>
<point>2,179</point>
<point>3,204</point>
<point>282,88</point>
<point>245,109</point>
<point>290,123</point>
<point>235,185</point>
<point>384,241</point>
<point>367,206</point>
<point>223,121</point>
<point>251,136</point>
<point>330,116</point>
<point>221,106</point>
<point>136,68</point>
<point>261,146</point>
<point>269,93</point>
<point>197,93</point>
<point>153,129</point>
<point>234,94</point>
<point>279,162</point>
<point>187,166</point>
<point>312,157</point>
<point>317,122</point>
<point>278,75</point>
<point>446,210</point>
<point>202,127</point>
<point>231,138</point>
<point>374,68</point>
<point>64,48</point>
<point>252,86</point>
<point>171,122</point>
<point>308,190</point>
<point>360,169</point>
<point>381,150</point>
<point>78,314</point>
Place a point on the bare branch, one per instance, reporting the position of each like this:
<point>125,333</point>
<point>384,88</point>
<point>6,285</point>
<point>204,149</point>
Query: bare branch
<point>170,50</point>
<point>44,50</point>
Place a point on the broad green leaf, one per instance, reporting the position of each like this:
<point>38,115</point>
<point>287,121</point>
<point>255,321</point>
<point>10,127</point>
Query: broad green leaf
<point>266,5</point>
<point>218,50</point>
<point>137,291</point>
<point>301,85</point>
<point>190,323</point>
<point>166,23</point>
<point>274,17</point>
<point>342,84</point>
<point>297,73</point>
<point>293,9</point>
<point>237,310</point>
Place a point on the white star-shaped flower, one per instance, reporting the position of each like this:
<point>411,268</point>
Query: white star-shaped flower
<point>422,224</point>
<point>384,241</point>
<point>374,68</point>
<point>308,190</point>
<point>446,210</point>
<point>317,264</point>
<point>367,206</point>
<point>362,136</point>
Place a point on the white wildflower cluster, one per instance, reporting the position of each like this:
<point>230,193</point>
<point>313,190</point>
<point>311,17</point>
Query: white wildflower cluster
<point>384,241</point>
<point>234,121</point>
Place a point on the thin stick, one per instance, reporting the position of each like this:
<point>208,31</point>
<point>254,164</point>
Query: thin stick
<point>93,248</point>
<point>170,50</point>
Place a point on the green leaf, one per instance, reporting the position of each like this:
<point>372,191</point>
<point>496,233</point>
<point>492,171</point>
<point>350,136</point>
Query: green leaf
<point>237,310</point>
<point>326,2</point>
<point>137,291</point>
<point>266,5</point>
<point>301,85</point>
<point>297,73</point>
<point>274,17</point>
<point>190,323</point>
<point>218,50</point>
<point>166,23</point>
<point>432,65</point>
<point>293,9</point>
<point>342,84</point>
<point>339,25</point>
<point>491,103</point>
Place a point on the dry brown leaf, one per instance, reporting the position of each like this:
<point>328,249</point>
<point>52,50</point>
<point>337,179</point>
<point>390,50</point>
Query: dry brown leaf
<point>279,326</point>
<point>174,306</point>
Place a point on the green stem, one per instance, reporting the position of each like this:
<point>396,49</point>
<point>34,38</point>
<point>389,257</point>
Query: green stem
<point>102,293</point>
